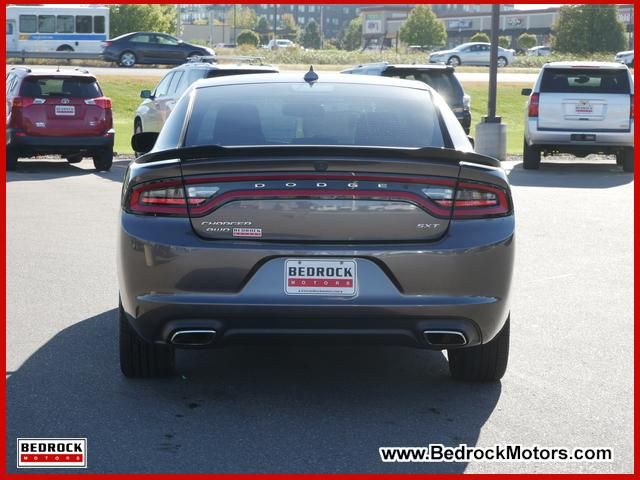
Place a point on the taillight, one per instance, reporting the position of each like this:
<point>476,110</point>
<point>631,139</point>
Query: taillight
<point>21,102</point>
<point>168,198</point>
<point>440,197</point>
<point>631,107</point>
<point>103,102</point>
<point>472,200</point>
<point>534,104</point>
<point>105,44</point>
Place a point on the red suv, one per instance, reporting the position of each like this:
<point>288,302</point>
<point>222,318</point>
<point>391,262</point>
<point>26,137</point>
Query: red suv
<point>59,112</point>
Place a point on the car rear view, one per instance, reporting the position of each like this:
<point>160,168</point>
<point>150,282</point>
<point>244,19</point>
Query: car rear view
<point>62,113</point>
<point>580,108</point>
<point>340,208</point>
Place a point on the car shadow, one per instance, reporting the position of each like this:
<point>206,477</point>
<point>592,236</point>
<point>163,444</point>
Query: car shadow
<point>32,169</point>
<point>243,409</point>
<point>570,174</point>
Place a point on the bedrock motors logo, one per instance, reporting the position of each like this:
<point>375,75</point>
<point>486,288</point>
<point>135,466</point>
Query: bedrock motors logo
<point>52,453</point>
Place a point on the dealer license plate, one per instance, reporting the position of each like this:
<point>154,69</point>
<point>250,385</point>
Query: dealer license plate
<point>320,277</point>
<point>65,110</point>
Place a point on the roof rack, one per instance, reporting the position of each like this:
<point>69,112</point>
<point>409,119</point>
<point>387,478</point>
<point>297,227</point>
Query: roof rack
<point>82,70</point>
<point>26,69</point>
<point>251,59</point>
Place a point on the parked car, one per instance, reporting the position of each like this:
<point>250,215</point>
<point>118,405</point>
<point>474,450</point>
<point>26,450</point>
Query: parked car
<point>539,51</point>
<point>625,57</point>
<point>473,53</point>
<point>580,108</point>
<point>57,112</point>
<point>275,44</point>
<point>335,207</point>
<point>150,48</point>
<point>159,102</point>
<point>441,78</point>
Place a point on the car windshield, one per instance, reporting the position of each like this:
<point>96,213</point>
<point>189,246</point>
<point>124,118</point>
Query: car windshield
<point>443,82</point>
<point>581,80</point>
<point>54,86</point>
<point>313,114</point>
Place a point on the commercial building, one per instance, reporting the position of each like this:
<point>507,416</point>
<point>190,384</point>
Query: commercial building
<point>381,23</point>
<point>333,18</point>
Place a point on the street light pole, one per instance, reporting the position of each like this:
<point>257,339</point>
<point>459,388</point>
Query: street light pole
<point>493,65</point>
<point>235,33</point>
<point>275,21</point>
<point>490,132</point>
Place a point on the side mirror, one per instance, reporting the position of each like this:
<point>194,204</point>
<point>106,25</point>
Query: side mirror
<point>145,94</point>
<point>143,142</point>
<point>471,141</point>
<point>526,92</point>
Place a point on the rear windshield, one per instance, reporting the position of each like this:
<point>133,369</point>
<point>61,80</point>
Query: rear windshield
<point>573,80</point>
<point>48,87</point>
<point>445,83</point>
<point>318,114</point>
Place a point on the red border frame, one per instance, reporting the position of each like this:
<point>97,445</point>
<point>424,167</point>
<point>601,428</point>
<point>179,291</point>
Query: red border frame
<point>3,443</point>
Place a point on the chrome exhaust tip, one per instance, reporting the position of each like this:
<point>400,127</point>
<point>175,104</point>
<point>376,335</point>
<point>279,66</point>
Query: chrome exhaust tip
<point>444,338</point>
<point>193,338</point>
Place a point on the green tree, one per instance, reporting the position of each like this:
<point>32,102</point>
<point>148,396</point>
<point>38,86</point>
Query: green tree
<point>504,42</point>
<point>310,36</point>
<point>126,18</point>
<point>423,28</point>
<point>263,28</point>
<point>288,27</point>
<point>480,37</point>
<point>527,40</point>
<point>248,37</point>
<point>245,18</point>
<point>583,29</point>
<point>351,37</point>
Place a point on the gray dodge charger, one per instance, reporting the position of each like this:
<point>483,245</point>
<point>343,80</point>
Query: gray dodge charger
<point>314,208</point>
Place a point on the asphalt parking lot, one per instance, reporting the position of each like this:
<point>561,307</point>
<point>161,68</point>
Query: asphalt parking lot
<point>322,409</point>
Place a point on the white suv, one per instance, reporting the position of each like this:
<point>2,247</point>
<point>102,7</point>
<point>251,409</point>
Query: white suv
<point>580,108</point>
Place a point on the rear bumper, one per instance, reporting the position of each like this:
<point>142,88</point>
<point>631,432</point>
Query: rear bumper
<point>42,144</point>
<point>560,140</point>
<point>171,280</point>
<point>109,56</point>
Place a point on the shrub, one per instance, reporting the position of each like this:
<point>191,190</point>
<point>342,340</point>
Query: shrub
<point>247,37</point>
<point>480,37</point>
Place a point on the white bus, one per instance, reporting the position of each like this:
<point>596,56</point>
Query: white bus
<point>61,28</point>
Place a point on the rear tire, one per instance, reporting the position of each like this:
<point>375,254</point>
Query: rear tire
<point>12,159</point>
<point>484,363</point>
<point>137,128</point>
<point>625,158</point>
<point>103,160</point>
<point>454,61</point>
<point>128,59</point>
<point>530,157</point>
<point>139,358</point>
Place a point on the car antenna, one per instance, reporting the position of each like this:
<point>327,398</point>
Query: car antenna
<point>310,76</point>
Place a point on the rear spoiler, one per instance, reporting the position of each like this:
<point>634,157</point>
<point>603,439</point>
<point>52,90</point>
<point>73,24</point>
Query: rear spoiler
<point>444,155</point>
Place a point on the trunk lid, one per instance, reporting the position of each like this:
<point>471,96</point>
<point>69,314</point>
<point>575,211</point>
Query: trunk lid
<point>322,194</point>
<point>584,99</point>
